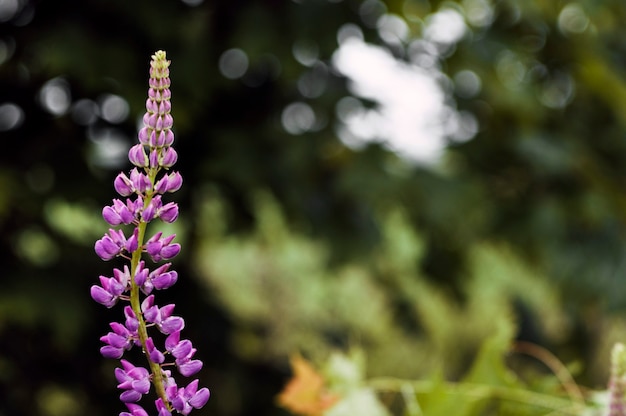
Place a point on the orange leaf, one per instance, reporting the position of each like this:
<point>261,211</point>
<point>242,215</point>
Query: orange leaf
<point>305,394</point>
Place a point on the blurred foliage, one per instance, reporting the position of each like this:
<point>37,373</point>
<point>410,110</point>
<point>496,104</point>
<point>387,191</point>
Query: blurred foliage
<point>488,387</point>
<point>279,287</point>
<point>301,242</point>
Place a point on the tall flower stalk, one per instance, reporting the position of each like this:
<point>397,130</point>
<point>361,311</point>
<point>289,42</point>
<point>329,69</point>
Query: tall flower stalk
<point>617,382</point>
<point>135,282</point>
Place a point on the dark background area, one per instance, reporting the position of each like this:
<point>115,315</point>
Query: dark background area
<point>547,180</point>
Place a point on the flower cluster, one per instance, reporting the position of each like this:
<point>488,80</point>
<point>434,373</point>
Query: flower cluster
<point>133,284</point>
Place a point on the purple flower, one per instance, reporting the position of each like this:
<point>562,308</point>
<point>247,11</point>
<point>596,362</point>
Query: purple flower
<point>188,398</point>
<point>183,352</point>
<point>155,209</point>
<point>135,410</point>
<point>160,278</point>
<point>161,317</point>
<point>118,341</point>
<point>148,182</point>
<point>137,183</point>
<point>119,212</point>
<point>168,157</point>
<point>132,323</point>
<point>141,274</point>
<point>114,243</point>
<point>169,183</point>
<point>112,288</point>
<point>161,248</point>
<point>140,181</point>
<point>134,380</point>
<point>168,212</point>
<point>155,355</point>
<point>109,246</point>
<point>161,408</point>
<point>123,185</point>
<point>154,158</point>
<point>137,156</point>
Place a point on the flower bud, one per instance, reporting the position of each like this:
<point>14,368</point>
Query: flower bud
<point>140,182</point>
<point>169,212</point>
<point>168,157</point>
<point>137,156</point>
<point>132,243</point>
<point>169,183</point>
<point>123,185</point>
<point>144,135</point>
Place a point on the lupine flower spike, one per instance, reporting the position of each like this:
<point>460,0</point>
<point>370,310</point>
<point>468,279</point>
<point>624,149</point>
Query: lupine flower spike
<point>617,383</point>
<point>134,284</point>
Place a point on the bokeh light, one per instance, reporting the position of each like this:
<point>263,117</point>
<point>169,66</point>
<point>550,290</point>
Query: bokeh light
<point>55,97</point>
<point>233,63</point>
<point>11,116</point>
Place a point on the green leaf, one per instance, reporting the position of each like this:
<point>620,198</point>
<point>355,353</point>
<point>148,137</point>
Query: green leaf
<point>489,367</point>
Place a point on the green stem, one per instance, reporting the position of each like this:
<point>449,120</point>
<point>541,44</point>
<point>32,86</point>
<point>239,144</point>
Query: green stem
<point>483,391</point>
<point>155,368</point>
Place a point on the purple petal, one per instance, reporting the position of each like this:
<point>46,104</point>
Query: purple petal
<point>153,249</point>
<point>143,135</point>
<point>191,388</point>
<point>170,251</point>
<point>155,355</point>
<point>172,324</point>
<point>182,349</point>
<point>111,216</point>
<point>115,288</point>
<point>109,351</point>
<point>168,121</point>
<point>190,368</point>
<point>181,405</point>
<point>175,181</point>
<point>137,156</point>
<point>169,212</point>
<point>131,323</point>
<point>141,277</point>
<point>169,183</point>
<point>119,329</point>
<point>162,408</point>
<point>123,185</point>
<point>135,410</point>
<point>152,314</point>
<point>122,377</point>
<point>141,386</point>
<point>102,296</point>
<point>169,138</point>
<point>106,249</point>
<point>115,340</point>
<point>123,277</point>
<point>168,310</point>
<point>200,398</point>
<point>132,244</point>
<point>165,280</point>
<point>127,365</point>
<point>172,340</point>
<point>161,186</point>
<point>127,212</point>
<point>147,303</point>
<point>130,396</point>
<point>169,157</point>
<point>154,158</point>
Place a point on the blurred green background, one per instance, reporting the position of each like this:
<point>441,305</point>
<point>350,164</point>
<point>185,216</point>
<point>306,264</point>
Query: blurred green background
<point>404,176</point>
